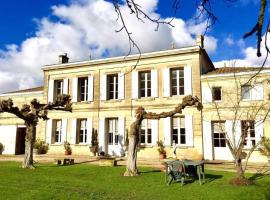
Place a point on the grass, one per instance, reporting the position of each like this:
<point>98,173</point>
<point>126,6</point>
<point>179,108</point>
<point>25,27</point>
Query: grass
<point>93,182</point>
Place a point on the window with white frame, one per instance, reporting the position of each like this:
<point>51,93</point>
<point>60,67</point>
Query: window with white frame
<point>177,81</point>
<point>58,88</point>
<point>178,130</point>
<point>146,132</point>
<point>246,92</point>
<point>248,131</point>
<point>113,131</point>
<point>145,83</point>
<point>112,81</point>
<point>254,92</point>
<point>57,131</point>
<point>82,131</point>
<point>82,89</point>
<point>219,138</point>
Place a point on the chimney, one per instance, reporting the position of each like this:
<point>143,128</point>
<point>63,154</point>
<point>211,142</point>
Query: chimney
<point>63,58</point>
<point>199,40</point>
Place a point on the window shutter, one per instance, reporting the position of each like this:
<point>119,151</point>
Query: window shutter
<point>154,127</point>
<point>228,130</point>
<point>121,130</point>
<point>257,92</point>
<point>49,131</point>
<point>65,86</point>
<point>259,125</point>
<point>74,89</point>
<point>101,135</point>
<point>167,131</point>
<point>166,82</point>
<point>64,130</point>
<point>121,86</point>
<point>89,130</point>
<point>237,131</point>
<point>103,87</point>
<point>135,84</point>
<point>50,90</point>
<point>188,80</point>
<point>206,95</point>
<point>90,88</point>
<point>154,83</point>
<point>73,134</point>
<point>207,140</point>
<point>189,130</point>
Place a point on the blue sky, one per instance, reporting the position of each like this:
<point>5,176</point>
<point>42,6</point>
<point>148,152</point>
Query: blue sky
<point>33,33</point>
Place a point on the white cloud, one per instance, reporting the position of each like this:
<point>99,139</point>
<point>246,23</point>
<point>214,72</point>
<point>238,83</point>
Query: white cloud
<point>87,27</point>
<point>229,41</point>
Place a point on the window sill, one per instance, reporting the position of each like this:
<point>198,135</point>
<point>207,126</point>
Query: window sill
<point>81,144</point>
<point>57,144</point>
<point>175,97</point>
<point>82,102</point>
<point>146,146</point>
<point>112,101</point>
<point>145,99</point>
<point>246,100</point>
<point>217,101</point>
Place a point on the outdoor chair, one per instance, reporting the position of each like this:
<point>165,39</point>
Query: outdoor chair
<point>175,172</point>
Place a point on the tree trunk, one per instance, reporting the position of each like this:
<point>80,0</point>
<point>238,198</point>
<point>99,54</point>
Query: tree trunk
<point>131,169</point>
<point>29,144</point>
<point>239,168</point>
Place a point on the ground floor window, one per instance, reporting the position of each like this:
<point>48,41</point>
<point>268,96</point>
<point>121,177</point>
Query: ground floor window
<point>82,131</point>
<point>219,134</point>
<point>146,132</point>
<point>178,130</point>
<point>112,131</point>
<point>248,130</point>
<point>57,131</point>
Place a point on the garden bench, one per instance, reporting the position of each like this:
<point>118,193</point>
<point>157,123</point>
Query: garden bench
<point>107,161</point>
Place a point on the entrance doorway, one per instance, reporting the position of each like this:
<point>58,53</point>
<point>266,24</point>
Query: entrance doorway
<point>112,137</point>
<point>20,140</point>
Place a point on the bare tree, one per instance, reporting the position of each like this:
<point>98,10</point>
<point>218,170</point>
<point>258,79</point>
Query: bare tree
<point>31,114</point>
<point>243,115</point>
<point>141,114</point>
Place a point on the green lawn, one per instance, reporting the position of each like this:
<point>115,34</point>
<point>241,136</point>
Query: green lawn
<point>93,182</point>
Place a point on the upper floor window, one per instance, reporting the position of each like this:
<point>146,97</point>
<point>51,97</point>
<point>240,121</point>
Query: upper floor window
<point>219,134</point>
<point>254,92</point>
<point>145,84</point>
<point>177,81</point>
<point>248,131</point>
<point>216,93</point>
<point>112,80</point>
<point>178,130</point>
<point>146,132</point>
<point>57,131</point>
<point>82,89</point>
<point>246,92</point>
<point>58,88</point>
<point>82,130</point>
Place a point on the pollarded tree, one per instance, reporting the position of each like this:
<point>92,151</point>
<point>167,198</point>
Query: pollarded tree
<point>141,114</point>
<point>31,114</point>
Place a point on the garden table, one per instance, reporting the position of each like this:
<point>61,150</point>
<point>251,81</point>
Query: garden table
<point>198,165</point>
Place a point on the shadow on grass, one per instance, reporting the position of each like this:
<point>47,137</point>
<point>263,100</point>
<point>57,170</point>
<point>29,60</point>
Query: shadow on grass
<point>150,171</point>
<point>211,177</point>
<point>260,174</point>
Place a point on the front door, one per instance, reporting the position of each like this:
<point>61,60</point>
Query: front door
<point>221,151</point>
<point>113,137</point>
<point>20,140</point>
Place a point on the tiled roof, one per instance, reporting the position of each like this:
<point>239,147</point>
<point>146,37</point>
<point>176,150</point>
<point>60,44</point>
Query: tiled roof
<point>227,70</point>
<point>35,89</point>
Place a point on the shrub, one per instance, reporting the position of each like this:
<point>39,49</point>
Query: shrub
<point>2,147</point>
<point>41,146</point>
<point>265,146</point>
<point>67,147</point>
<point>161,147</point>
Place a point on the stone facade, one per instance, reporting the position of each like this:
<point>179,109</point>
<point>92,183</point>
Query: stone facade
<point>106,92</point>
